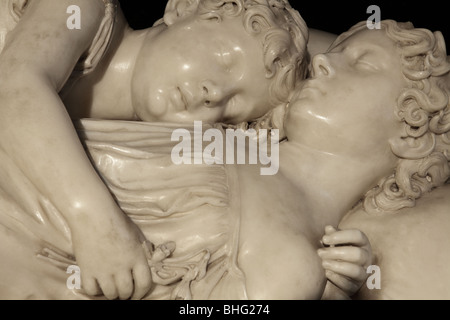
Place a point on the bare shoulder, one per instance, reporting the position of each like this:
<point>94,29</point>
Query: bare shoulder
<point>409,247</point>
<point>42,44</point>
<point>48,15</point>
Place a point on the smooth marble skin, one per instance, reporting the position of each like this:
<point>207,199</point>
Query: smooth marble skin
<point>38,58</point>
<point>344,138</point>
<point>409,246</point>
<point>345,129</point>
<point>406,141</point>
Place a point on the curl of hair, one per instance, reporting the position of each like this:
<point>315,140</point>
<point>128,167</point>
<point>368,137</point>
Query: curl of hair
<point>411,180</point>
<point>424,109</point>
<point>283,33</point>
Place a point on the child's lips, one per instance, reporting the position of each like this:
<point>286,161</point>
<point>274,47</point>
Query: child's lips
<point>179,100</point>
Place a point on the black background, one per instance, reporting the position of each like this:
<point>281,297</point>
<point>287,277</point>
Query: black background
<point>331,16</point>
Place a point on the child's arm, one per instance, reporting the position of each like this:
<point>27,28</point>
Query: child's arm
<point>37,134</point>
<point>345,258</point>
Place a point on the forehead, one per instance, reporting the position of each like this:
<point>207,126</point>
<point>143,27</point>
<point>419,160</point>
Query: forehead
<point>198,34</point>
<point>366,38</point>
<point>202,25</point>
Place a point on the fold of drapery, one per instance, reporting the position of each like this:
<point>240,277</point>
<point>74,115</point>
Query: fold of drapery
<point>196,207</point>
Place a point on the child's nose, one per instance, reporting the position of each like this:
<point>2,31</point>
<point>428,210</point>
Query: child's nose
<point>321,66</point>
<point>213,93</point>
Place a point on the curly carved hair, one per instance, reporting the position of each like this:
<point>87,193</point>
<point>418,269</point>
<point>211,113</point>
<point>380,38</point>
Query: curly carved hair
<point>284,34</point>
<point>423,107</point>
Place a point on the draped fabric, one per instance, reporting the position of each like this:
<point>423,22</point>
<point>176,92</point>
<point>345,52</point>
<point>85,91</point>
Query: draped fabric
<point>190,206</point>
<point>196,207</point>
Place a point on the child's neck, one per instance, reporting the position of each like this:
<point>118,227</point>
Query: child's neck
<point>112,98</point>
<point>329,184</point>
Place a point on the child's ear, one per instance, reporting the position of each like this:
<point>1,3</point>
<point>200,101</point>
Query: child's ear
<point>17,8</point>
<point>176,9</point>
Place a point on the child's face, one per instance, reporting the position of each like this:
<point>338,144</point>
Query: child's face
<point>201,70</point>
<point>347,106</point>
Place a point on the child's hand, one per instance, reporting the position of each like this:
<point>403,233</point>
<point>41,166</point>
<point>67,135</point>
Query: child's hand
<point>111,257</point>
<point>345,258</point>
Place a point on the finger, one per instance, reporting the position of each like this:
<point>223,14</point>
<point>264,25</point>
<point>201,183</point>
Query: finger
<point>346,269</point>
<point>354,255</point>
<point>108,286</point>
<point>142,281</point>
<point>344,283</point>
<point>330,230</point>
<point>91,287</point>
<point>124,283</point>
<point>346,237</point>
